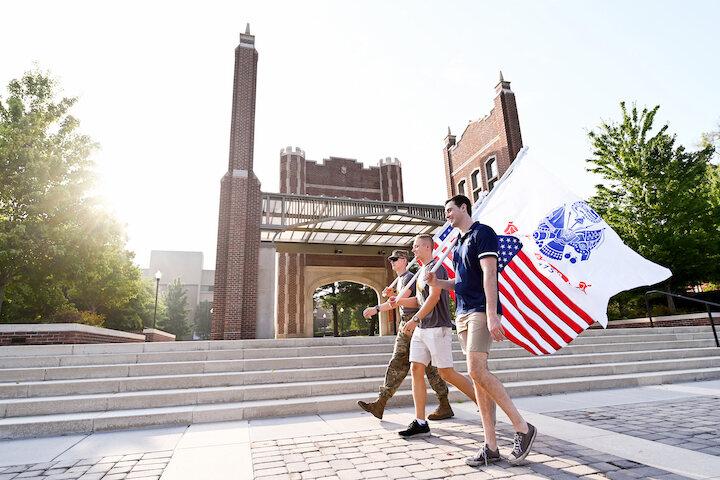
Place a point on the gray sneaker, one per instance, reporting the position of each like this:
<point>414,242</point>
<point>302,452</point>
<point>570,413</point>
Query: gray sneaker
<point>521,445</point>
<point>483,457</point>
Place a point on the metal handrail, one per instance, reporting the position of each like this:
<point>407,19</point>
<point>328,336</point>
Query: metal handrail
<point>674,295</point>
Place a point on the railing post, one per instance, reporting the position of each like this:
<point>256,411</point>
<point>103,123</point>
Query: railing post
<point>712,323</point>
<point>647,308</point>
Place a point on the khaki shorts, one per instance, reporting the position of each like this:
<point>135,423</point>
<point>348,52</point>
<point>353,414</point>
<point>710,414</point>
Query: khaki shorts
<point>473,332</point>
<point>432,345</point>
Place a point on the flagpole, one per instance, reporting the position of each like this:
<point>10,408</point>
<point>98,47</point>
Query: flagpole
<point>476,213</point>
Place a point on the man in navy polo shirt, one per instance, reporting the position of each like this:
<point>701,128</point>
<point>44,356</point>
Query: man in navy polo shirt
<point>478,324</point>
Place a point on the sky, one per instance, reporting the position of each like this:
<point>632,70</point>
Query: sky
<point>363,80</point>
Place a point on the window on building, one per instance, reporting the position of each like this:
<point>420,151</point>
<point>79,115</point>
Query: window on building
<point>476,187</point>
<point>461,188</point>
<point>491,171</point>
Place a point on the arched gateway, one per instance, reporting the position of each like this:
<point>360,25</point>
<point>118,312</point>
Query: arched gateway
<point>332,221</point>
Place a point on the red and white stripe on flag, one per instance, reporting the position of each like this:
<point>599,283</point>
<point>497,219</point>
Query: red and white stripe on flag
<point>537,315</point>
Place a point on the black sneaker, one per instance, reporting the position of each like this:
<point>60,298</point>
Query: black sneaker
<point>521,445</point>
<point>415,430</point>
<point>484,457</point>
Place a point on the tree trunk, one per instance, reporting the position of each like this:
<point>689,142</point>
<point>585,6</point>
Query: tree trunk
<point>335,314</point>
<point>2,296</point>
<point>670,300</point>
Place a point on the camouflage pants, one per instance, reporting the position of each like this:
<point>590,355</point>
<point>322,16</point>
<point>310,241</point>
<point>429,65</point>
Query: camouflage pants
<point>399,367</point>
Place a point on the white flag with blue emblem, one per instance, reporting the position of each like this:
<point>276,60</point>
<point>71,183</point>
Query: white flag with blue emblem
<point>559,262</point>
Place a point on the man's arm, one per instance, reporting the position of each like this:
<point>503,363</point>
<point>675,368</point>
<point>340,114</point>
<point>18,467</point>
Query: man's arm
<point>489,269</point>
<point>391,304</point>
<point>432,280</point>
<point>424,311</point>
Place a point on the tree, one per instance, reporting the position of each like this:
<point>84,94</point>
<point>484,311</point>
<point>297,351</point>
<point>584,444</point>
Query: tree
<point>656,195</point>
<point>62,258</point>
<point>201,320</point>
<point>45,171</point>
<point>175,320</point>
<point>348,300</point>
<point>713,139</point>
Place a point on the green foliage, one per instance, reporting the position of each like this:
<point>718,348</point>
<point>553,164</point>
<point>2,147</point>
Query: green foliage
<point>656,195</point>
<point>175,319</point>
<point>351,299</point>
<point>59,251</point>
<point>72,315</point>
<point>201,320</point>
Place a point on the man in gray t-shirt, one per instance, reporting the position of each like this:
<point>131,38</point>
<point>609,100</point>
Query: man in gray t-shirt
<point>432,341</point>
<point>440,314</point>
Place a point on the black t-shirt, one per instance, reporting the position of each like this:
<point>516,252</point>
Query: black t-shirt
<point>478,242</point>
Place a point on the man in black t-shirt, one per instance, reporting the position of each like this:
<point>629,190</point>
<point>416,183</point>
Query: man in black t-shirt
<point>399,364</point>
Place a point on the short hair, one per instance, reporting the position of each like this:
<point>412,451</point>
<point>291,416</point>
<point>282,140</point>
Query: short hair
<point>425,237</point>
<point>460,200</point>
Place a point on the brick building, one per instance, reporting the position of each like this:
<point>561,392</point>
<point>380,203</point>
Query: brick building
<point>333,177</point>
<point>334,220</point>
<point>485,149</point>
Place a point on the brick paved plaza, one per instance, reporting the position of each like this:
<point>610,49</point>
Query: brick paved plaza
<point>661,432</point>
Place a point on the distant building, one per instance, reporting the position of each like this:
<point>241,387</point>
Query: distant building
<point>188,267</point>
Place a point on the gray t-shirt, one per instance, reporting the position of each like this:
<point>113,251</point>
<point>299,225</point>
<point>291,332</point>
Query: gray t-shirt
<point>402,281</point>
<point>440,315</point>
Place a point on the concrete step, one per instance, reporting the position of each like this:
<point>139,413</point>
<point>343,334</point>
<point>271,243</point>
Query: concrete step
<point>120,348</point>
<point>157,392</point>
<point>16,375</point>
<point>273,355</point>
<point>114,354</point>
<point>87,422</point>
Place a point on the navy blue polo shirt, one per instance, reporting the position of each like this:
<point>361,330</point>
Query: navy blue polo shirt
<point>478,242</point>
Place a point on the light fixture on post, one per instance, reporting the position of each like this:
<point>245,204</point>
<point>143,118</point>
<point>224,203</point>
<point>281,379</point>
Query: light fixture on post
<point>158,276</point>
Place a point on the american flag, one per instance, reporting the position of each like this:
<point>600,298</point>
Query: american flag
<point>536,314</point>
<point>441,242</point>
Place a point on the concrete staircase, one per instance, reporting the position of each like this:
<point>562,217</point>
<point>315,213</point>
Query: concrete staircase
<point>64,389</point>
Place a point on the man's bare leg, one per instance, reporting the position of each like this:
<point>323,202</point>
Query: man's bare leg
<point>419,390</point>
<point>488,416</point>
<point>478,369</point>
<point>460,381</point>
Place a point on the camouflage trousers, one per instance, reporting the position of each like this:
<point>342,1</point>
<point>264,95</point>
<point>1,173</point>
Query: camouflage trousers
<point>399,367</point>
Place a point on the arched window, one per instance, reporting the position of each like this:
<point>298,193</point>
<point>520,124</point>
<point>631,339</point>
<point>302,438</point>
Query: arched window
<point>461,188</point>
<point>476,186</point>
<point>491,171</point>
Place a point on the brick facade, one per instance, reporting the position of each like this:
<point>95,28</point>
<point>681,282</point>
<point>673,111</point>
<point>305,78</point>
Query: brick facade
<point>333,177</point>
<point>494,138</point>
<point>340,177</point>
<point>235,300</point>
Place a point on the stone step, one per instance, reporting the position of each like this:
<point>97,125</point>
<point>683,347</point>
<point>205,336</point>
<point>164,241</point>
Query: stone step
<point>65,355</point>
<point>503,348</point>
<point>115,394</point>
<point>257,365</point>
<point>87,422</point>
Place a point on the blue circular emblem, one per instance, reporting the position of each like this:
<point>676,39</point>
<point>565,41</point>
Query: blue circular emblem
<point>570,233</point>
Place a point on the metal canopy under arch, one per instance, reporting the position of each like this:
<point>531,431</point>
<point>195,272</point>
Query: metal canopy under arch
<point>305,220</point>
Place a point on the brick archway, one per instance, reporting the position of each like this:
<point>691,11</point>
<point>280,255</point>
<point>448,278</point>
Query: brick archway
<point>317,276</point>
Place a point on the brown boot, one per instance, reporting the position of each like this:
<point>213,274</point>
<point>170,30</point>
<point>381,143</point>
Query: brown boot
<point>376,408</point>
<point>443,411</point>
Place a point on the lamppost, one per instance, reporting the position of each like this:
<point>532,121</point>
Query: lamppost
<point>158,276</point>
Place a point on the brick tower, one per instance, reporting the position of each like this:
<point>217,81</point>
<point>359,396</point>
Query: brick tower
<point>485,149</point>
<point>236,272</point>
